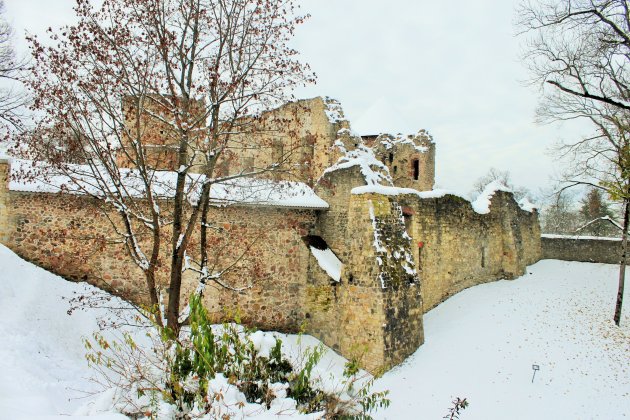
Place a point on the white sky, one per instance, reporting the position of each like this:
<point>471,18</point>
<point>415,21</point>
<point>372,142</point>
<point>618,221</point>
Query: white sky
<point>451,67</point>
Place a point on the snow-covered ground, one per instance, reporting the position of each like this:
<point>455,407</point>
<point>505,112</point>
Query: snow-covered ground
<point>43,370</point>
<point>480,344</point>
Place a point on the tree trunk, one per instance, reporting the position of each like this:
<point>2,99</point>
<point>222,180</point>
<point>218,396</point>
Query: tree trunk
<point>172,313</point>
<point>622,265</point>
<point>155,310</point>
<point>178,244</point>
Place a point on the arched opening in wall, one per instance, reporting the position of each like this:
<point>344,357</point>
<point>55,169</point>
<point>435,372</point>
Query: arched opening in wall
<point>407,218</point>
<point>408,213</point>
<point>416,169</point>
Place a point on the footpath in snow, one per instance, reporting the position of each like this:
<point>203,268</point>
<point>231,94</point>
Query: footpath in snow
<point>480,344</point>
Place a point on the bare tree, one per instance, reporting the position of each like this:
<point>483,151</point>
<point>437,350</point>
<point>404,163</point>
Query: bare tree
<point>579,52</point>
<point>504,178</point>
<point>12,100</point>
<point>139,86</point>
<point>559,213</point>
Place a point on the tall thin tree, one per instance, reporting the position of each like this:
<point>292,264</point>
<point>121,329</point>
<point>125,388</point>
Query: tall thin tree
<point>579,52</point>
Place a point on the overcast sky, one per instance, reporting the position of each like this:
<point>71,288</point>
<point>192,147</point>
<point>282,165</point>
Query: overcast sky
<point>451,67</point>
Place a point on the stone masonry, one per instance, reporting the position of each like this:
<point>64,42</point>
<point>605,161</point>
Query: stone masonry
<point>402,251</point>
<point>589,249</point>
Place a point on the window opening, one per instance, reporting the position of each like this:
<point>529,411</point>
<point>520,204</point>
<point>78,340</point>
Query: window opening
<point>416,169</point>
<point>277,151</point>
<point>407,218</point>
<point>248,164</point>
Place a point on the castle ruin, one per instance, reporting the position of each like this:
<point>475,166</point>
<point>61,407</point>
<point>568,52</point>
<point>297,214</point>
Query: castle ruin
<point>355,260</point>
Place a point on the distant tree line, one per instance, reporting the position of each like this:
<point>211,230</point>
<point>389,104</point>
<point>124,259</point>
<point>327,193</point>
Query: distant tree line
<point>562,212</point>
<point>591,216</point>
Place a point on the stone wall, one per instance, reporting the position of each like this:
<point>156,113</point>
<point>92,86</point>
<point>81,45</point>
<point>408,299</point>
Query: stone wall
<point>297,136</point>
<point>456,247</point>
<point>358,317</point>
<point>375,312</point>
<point>569,248</point>
<point>67,235</point>
<point>378,305</point>
<point>148,120</point>
<point>401,255</point>
<point>4,203</point>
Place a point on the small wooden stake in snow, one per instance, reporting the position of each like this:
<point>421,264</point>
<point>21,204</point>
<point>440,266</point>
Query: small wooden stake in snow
<point>535,368</point>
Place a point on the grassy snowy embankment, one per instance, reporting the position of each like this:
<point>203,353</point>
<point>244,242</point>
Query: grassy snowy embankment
<point>480,344</point>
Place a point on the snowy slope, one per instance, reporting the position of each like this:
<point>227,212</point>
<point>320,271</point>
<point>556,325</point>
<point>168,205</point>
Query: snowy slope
<point>480,344</point>
<point>43,371</point>
<point>42,360</point>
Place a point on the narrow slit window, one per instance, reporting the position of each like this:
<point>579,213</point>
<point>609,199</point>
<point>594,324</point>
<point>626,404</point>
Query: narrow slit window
<point>277,152</point>
<point>248,164</point>
<point>407,219</point>
<point>416,169</point>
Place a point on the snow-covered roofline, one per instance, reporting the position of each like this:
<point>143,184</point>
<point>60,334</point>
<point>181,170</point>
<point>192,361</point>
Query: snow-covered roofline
<point>39,177</point>
<point>417,141</point>
<point>481,205</point>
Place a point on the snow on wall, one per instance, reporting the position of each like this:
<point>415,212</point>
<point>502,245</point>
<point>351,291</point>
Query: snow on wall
<point>373,170</point>
<point>328,261</point>
<point>481,205</point>
<point>29,176</point>
<point>391,141</point>
<point>250,191</point>
<point>579,237</point>
<point>333,110</point>
<point>527,205</point>
<point>393,191</point>
<point>391,243</point>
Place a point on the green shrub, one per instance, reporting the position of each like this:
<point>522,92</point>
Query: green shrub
<point>178,372</point>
